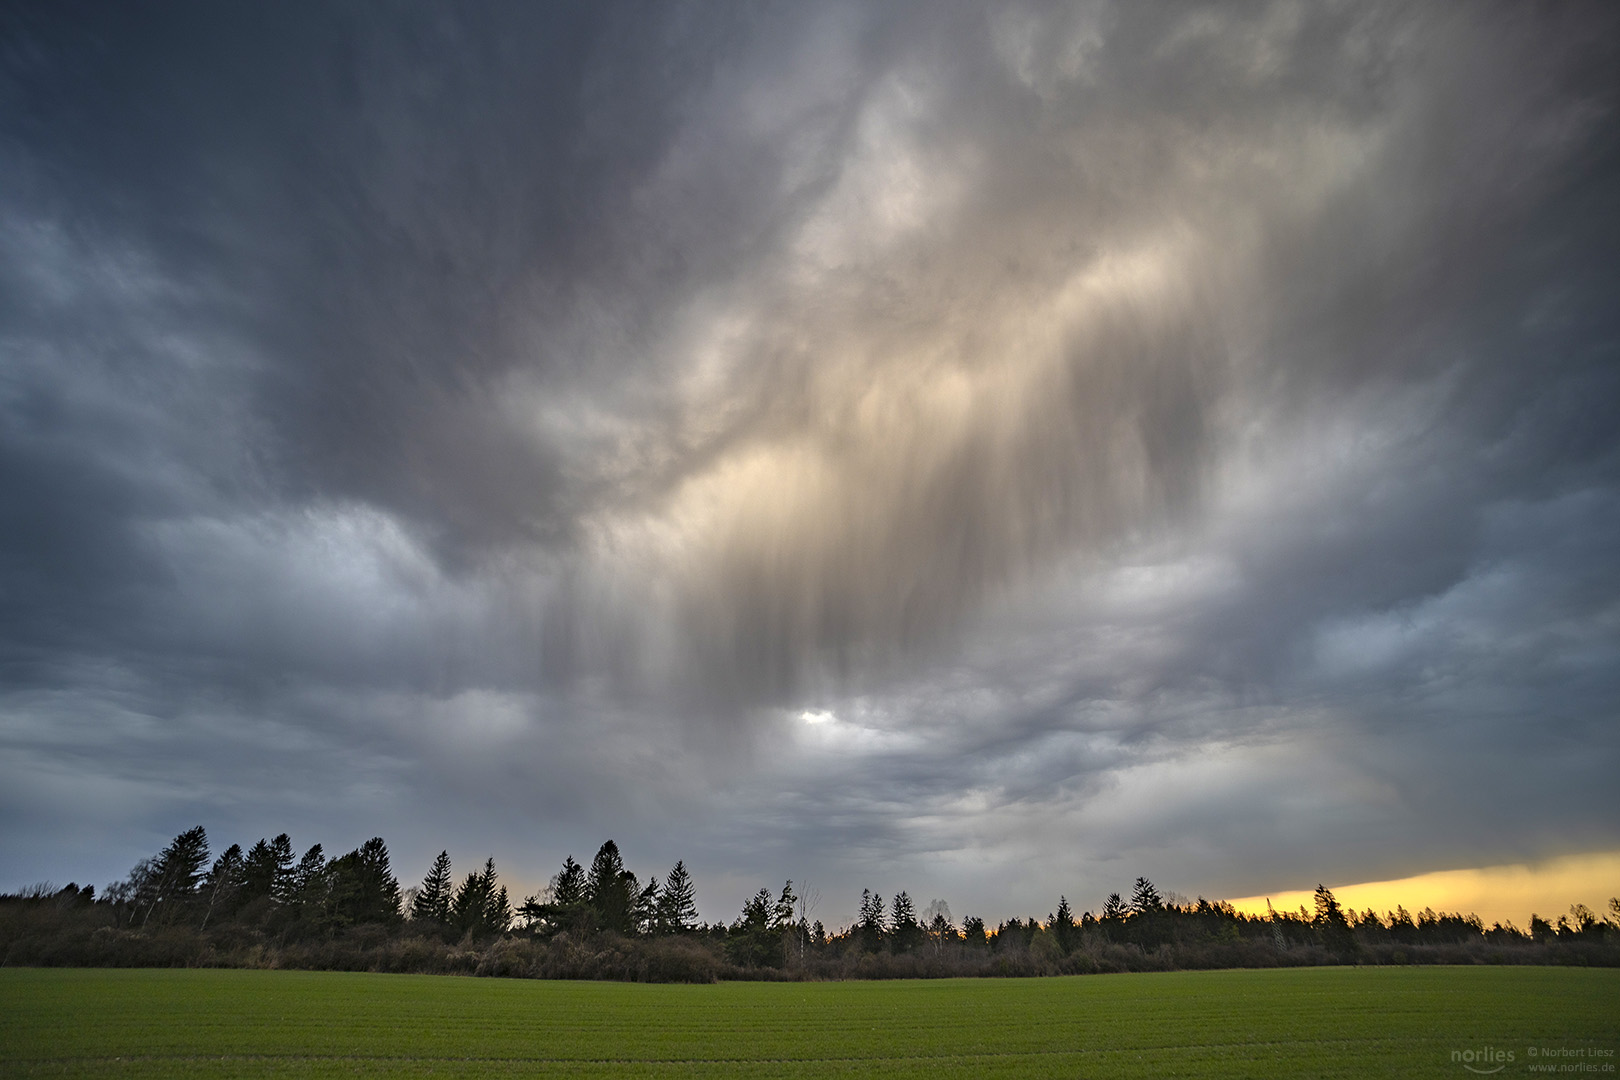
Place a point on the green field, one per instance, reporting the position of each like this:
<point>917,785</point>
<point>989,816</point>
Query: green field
<point>1351,1022</point>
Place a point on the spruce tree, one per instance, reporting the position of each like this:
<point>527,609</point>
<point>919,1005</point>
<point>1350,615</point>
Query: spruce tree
<point>603,878</point>
<point>467,907</point>
<point>751,940</point>
<point>569,885</point>
<point>432,901</point>
<point>481,906</point>
<point>178,871</point>
<point>223,883</point>
<point>498,912</point>
<point>1332,928</point>
<point>871,926</point>
<point>281,883</point>
<point>756,914</point>
<point>782,913</point>
<point>677,910</point>
<point>1062,925</point>
<point>611,889</point>
<point>362,887</point>
<point>258,871</point>
<point>644,912</point>
<point>308,879</point>
<point>903,923</point>
<point>381,886</point>
<point>180,865</point>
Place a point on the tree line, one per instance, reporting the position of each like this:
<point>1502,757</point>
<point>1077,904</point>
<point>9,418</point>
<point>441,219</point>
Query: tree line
<point>264,906</point>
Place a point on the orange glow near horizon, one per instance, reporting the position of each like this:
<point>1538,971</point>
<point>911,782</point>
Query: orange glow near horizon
<point>1495,893</point>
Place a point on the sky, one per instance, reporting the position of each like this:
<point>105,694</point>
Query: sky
<point>987,450</point>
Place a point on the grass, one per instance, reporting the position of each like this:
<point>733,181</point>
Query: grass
<point>1303,1022</point>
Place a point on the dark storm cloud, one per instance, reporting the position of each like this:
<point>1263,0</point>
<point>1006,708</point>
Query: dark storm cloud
<point>929,437</point>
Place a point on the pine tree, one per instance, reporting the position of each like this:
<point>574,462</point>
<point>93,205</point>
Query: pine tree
<point>905,912</point>
<point>258,871</point>
<point>481,906</point>
<point>498,913</point>
<point>281,884</point>
<point>644,913</point>
<point>903,923</point>
<point>566,908</point>
<point>569,885</point>
<point>362,887</point>
<point>604,873</point>
<point>611,889</point>
<point>267,870</point>
<point>432,900</point>
<point>677,910</point>
<point>782,913</point>
<point>180,865</point>
<point>139,890</point>
<point>1145,898</point>
<point>178,872</point>
<point>382,887</point>
<point>223,883</point>
<point>756,913</point>
<point>308,880</point>
<point>467,906</point>
<point>532,912</point>
<point>871,926</point>
<point>1332,928</point>
<point>1327,905</point>
<point>1062,925</point>
<point>751,941</point>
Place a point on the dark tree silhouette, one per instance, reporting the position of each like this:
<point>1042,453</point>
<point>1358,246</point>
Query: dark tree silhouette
<point>180,865</point>
<point>1062,926</point>
<point>1332,928</point>
<point>223,883</point>
<point>567,908</point>
<point>782,911</point>
<point>363,888</point>
<point>1145,899</point>
<point>178,871</point>
<point>753,940</point>
<point>644,910</point>
<point>611,890</point>
<point>467,907</point>
<point>569,885</point>
<point>870,927</point>
<point>677,909</point>
<point>904,931</point>
<point>268,870</point>
<point>207,918</point>
<point>432,900</point>
<point>309,883</point>
<point>481,906</point>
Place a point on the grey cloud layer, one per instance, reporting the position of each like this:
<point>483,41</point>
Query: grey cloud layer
<point>1096,437</point>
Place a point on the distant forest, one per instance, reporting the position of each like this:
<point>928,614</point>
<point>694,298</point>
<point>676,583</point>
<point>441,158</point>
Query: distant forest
<point>266,908</point>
